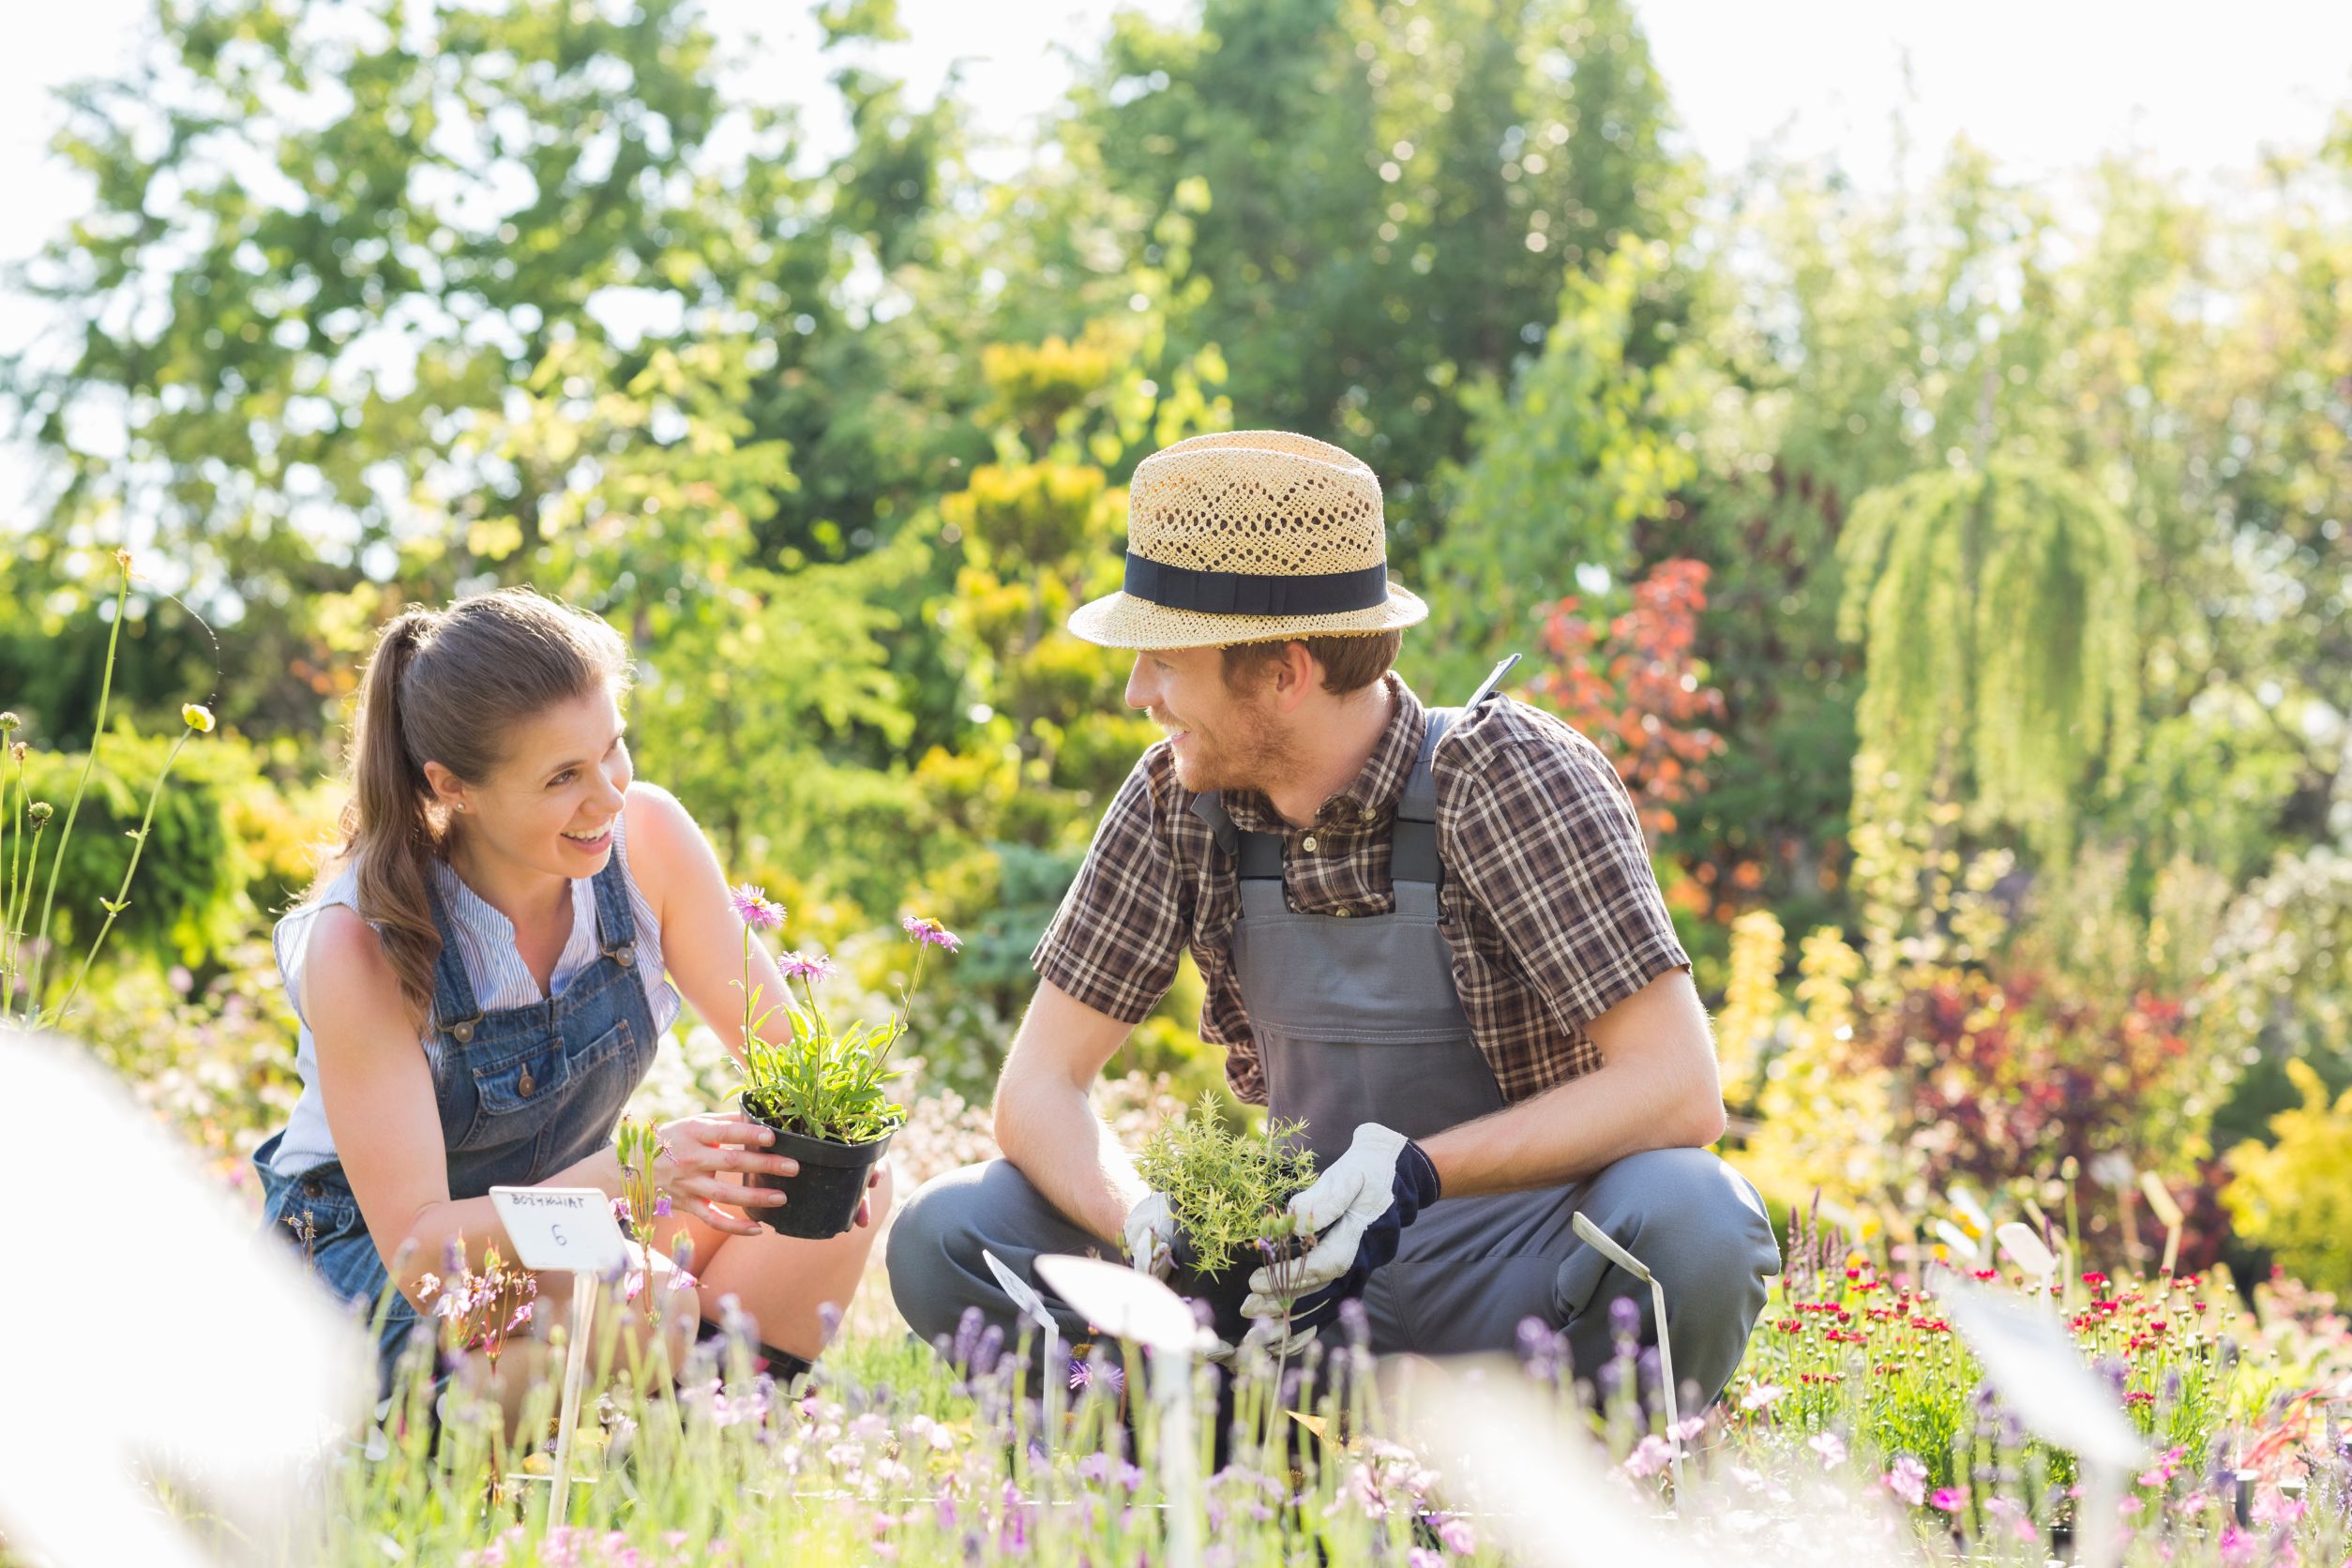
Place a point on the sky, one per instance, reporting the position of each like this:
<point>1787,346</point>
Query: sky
<point>2044,85</point>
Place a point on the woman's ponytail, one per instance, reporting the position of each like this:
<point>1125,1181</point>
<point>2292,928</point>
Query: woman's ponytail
<point>388,827</point>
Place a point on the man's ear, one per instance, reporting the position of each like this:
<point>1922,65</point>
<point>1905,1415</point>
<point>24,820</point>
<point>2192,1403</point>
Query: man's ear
<point>1294,675</point>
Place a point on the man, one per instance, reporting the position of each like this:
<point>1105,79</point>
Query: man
<point>1435,936</point>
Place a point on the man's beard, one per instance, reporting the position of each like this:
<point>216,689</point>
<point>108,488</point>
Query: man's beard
<point>1250,751</point>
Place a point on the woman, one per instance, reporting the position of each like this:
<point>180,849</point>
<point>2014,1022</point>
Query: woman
<point>480,979</point>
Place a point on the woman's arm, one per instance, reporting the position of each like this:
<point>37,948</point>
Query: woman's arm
<point>701,936</point>
<point>378,1088</point>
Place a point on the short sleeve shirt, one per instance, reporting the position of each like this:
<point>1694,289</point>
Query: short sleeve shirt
<point>1549,905</point>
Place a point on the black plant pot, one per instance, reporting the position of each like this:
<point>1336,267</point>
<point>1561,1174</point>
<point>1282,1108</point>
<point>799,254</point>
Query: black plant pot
<point>823,1199</point>
<point>1224,1290</point>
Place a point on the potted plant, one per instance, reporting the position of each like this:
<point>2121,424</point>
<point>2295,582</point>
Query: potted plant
<point>1229,1190</point>
<point>826,1095</point>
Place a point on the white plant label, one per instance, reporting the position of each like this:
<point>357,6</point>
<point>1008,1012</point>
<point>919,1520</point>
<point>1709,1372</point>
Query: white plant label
<point>569,1230</point>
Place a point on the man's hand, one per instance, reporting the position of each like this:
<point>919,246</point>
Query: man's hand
<point>1355,1212</point>
<point>1267,1333</point>
<point>1151,1235</point>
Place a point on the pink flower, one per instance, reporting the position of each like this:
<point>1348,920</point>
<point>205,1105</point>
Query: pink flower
<point>1831,1447</point>
<point>1761,1398</point>
<point>1650,1455</point>
<point>2009,1511</point>
<point>1951,1499</point>
<point>754,908</point>
<point>1908,1480</point>
<point>926,930</point>
<point>810,967</point>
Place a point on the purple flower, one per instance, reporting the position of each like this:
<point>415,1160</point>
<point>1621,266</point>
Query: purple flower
<point>930,932</point>
<point>661,1207</point>
<point>810,967</point>
<point>1625,1316</point>
<point>754,908</point>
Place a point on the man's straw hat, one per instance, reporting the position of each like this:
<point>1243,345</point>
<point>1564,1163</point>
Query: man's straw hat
<point>1250,537</point>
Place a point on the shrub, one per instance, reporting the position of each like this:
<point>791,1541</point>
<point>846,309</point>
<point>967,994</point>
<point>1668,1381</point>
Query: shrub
<point>2294,1195</point>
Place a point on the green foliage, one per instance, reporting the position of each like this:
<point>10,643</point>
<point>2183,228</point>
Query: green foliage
<point>1589,442</point>
<point>1368,206</point>
<point>2294,1196</point>
<point>1996,611</point>
<point>1229,1188</point>
<point>828,1085</point>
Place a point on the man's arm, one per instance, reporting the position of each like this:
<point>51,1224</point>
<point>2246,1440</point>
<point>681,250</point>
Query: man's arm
<point>1655,1089</point>
<point>1048,1126</point>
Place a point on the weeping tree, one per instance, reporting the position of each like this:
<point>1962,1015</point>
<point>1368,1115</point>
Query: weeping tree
<point>1993,605</point>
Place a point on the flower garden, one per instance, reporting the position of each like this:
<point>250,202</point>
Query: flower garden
<point>1954,576</point>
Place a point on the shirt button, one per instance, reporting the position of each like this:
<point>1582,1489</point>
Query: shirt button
<point>1307,843</point>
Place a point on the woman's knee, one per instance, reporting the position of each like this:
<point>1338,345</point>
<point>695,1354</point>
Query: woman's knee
<point>881,1197</point>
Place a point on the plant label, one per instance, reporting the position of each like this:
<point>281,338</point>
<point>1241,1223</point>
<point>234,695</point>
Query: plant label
<point>569,1230</point>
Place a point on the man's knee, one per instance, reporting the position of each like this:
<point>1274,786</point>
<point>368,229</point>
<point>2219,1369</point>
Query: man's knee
<point>921,1254</point>
<point>1699,1226</point>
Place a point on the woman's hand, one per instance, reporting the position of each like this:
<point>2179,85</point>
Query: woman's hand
<point>696,1149</point>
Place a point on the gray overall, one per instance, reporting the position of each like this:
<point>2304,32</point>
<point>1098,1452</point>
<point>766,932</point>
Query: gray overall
<point>1356,1019</point>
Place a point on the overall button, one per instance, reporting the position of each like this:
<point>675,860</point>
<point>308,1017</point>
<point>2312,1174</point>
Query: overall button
<point>524,1084</point>
<point>1307,843</point>
<point>1343,912</point>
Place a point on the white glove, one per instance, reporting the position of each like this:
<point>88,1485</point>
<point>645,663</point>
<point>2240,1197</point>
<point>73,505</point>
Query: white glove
<point>1354,1211</point>
<point>1151,1235</point>
<point>1267,1333</point>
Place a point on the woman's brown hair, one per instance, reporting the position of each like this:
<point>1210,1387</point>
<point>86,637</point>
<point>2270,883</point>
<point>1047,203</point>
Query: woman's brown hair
<point>448,687</point>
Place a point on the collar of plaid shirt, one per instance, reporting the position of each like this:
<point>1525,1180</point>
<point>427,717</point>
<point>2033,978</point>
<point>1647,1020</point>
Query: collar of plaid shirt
<point>1367,802</point>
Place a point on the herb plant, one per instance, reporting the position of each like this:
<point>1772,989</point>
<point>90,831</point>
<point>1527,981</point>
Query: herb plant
<point>827,1084</point>
<point>1227,1186</point>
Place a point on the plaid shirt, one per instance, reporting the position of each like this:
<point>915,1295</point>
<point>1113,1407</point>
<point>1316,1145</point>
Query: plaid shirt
<point>1549,903</point>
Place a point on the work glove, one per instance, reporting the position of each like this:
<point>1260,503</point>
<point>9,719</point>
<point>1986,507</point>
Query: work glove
<point>1356,1210</point>
<point>1267,1332</point>
<point>1151,1235</point>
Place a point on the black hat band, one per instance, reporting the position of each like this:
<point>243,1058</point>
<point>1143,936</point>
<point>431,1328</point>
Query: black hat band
<point>1255,593</point>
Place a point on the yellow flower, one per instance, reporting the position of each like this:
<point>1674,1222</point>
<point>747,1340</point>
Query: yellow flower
<point>199,718</point>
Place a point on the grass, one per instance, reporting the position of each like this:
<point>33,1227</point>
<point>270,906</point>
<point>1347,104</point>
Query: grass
<point>890,1454</point>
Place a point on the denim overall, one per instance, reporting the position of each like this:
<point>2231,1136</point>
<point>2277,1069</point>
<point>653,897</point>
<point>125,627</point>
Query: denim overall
<point>522,1092</point>
<point>1357,1020</point>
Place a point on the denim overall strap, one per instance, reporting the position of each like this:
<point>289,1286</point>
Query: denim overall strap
<point>616,923</point>
<point>454,1012</point>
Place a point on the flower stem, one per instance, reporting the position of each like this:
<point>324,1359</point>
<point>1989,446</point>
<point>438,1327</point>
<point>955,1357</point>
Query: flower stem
<point>122,893</point>
<point>13,795</point>
<point>97,733</point>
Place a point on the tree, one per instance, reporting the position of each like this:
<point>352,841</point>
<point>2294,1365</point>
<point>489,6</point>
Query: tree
<point>1393,189</point>
<point>1995,607</point>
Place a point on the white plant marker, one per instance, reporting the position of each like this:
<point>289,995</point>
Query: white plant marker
<point>1596,1236</point>
<point>1525,1470</point>
<point>1963,1246</point>
<point>2025,1250</point>
<point>565,1230</point>
<point>1032,1306</point>
<point>250,1382</point>
<point>2035,1366</point>
<point>2160,1201</point>
<point>1127,1304</point>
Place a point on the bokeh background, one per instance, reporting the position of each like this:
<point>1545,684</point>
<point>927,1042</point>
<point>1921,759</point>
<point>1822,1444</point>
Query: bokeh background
<point>1917,448</point>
